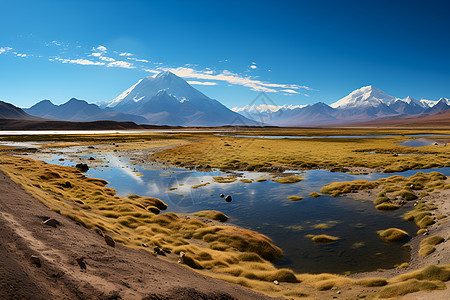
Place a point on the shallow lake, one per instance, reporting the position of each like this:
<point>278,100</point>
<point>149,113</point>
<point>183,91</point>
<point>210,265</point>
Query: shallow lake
<point>263,206</point>
<point>328,136</point>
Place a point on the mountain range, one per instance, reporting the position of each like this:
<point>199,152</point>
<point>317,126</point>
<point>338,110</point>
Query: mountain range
<point>365,104</point>
<point>167,99</point>
<point>162,100</point>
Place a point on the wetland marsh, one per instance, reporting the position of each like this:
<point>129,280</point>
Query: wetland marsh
<point>265,196</point>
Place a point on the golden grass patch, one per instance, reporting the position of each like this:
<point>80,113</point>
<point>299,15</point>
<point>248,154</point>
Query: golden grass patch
<point>212,214</point>
<point>393,235</point>
<point>288,179</point>
<point>323,239</point>
<point>295,198</point>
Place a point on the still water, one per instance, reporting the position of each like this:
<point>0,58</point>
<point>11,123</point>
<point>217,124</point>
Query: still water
<point>263,206</point>
<point>329,136</point>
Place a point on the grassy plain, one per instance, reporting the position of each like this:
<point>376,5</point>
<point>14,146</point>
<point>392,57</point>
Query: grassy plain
<point>226,252</point>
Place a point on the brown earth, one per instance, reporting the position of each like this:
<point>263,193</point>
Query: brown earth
<point>436,120</point>
<point>111,273</point>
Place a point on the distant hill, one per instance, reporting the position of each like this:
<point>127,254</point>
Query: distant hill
<point>9,111</point>
<point>10,124</point>
<point>436,120</point>
<point>80,111</point>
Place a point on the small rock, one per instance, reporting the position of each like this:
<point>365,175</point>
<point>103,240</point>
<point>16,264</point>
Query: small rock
<point>67,184</point>
<point>36,260</point>
<point>338,292</point>
<point>82,167</point>
<point>81,263</point>
<point>222,195</point>
<point>228,198</point>
<point>91,158</point>
<point>91,147</point>
<point>276,282</point>
<point>109,241</point>
<point>52,222</point>
<point>181,257</point>
<point>159,251</point>
<point>144,245</point>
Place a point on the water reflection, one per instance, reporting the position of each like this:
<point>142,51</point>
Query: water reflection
<point>263,206</point>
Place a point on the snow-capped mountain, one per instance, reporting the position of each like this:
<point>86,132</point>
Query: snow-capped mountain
<point>148,87</point>
<point>265,108</point>
<point>364,104</point>
<point>169,100</point>
<point>364,97</point>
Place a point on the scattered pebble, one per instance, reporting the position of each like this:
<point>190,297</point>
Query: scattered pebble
<point>109,241</point>
<point>36,260</point>
<point>52,222</point>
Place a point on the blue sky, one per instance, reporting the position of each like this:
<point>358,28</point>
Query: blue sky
<point>299,52</point>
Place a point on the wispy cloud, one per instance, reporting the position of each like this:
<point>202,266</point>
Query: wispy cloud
<point>101,48</point>
<point>102,56</point>
<point>290,91</point>
<point>5,49</point>
<point>80,61</point>
<point>105,58</point>
<point>138,60</point>
<point>236,79</point>
<point>121,64</point>
<point>202,82</point>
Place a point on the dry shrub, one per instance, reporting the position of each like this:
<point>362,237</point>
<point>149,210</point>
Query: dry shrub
<point>387,206</point>
<point>372,282</point>
<point>410,286</point>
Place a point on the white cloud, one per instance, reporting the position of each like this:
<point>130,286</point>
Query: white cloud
<point>101,48</point>
<point>233,78</point>
<point>139,60</point>
<point>126,54</point>
<point>104,58</point>
<point>5,49</point>
<point>202,82</point>
<point>152,71</point>
<point>80,61</point>
<point>290,91</point>
<point>121,64</point>
<point>21,55</point>
<point>253,67</point>
<point>96,54</point>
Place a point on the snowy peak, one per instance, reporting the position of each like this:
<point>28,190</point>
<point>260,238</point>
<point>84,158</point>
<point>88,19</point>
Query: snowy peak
<point>364,97</point>
<point>262,108</point>
<point>148,87</point>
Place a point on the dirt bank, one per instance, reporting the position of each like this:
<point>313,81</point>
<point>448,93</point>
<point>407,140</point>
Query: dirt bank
<point>110,273</point>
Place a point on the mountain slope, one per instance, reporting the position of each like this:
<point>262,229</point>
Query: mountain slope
<point>169,99</point>
<point>79,111</point>
<point>9,111</point>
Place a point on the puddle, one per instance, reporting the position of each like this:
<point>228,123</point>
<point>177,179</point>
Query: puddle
<point>420,143</point>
